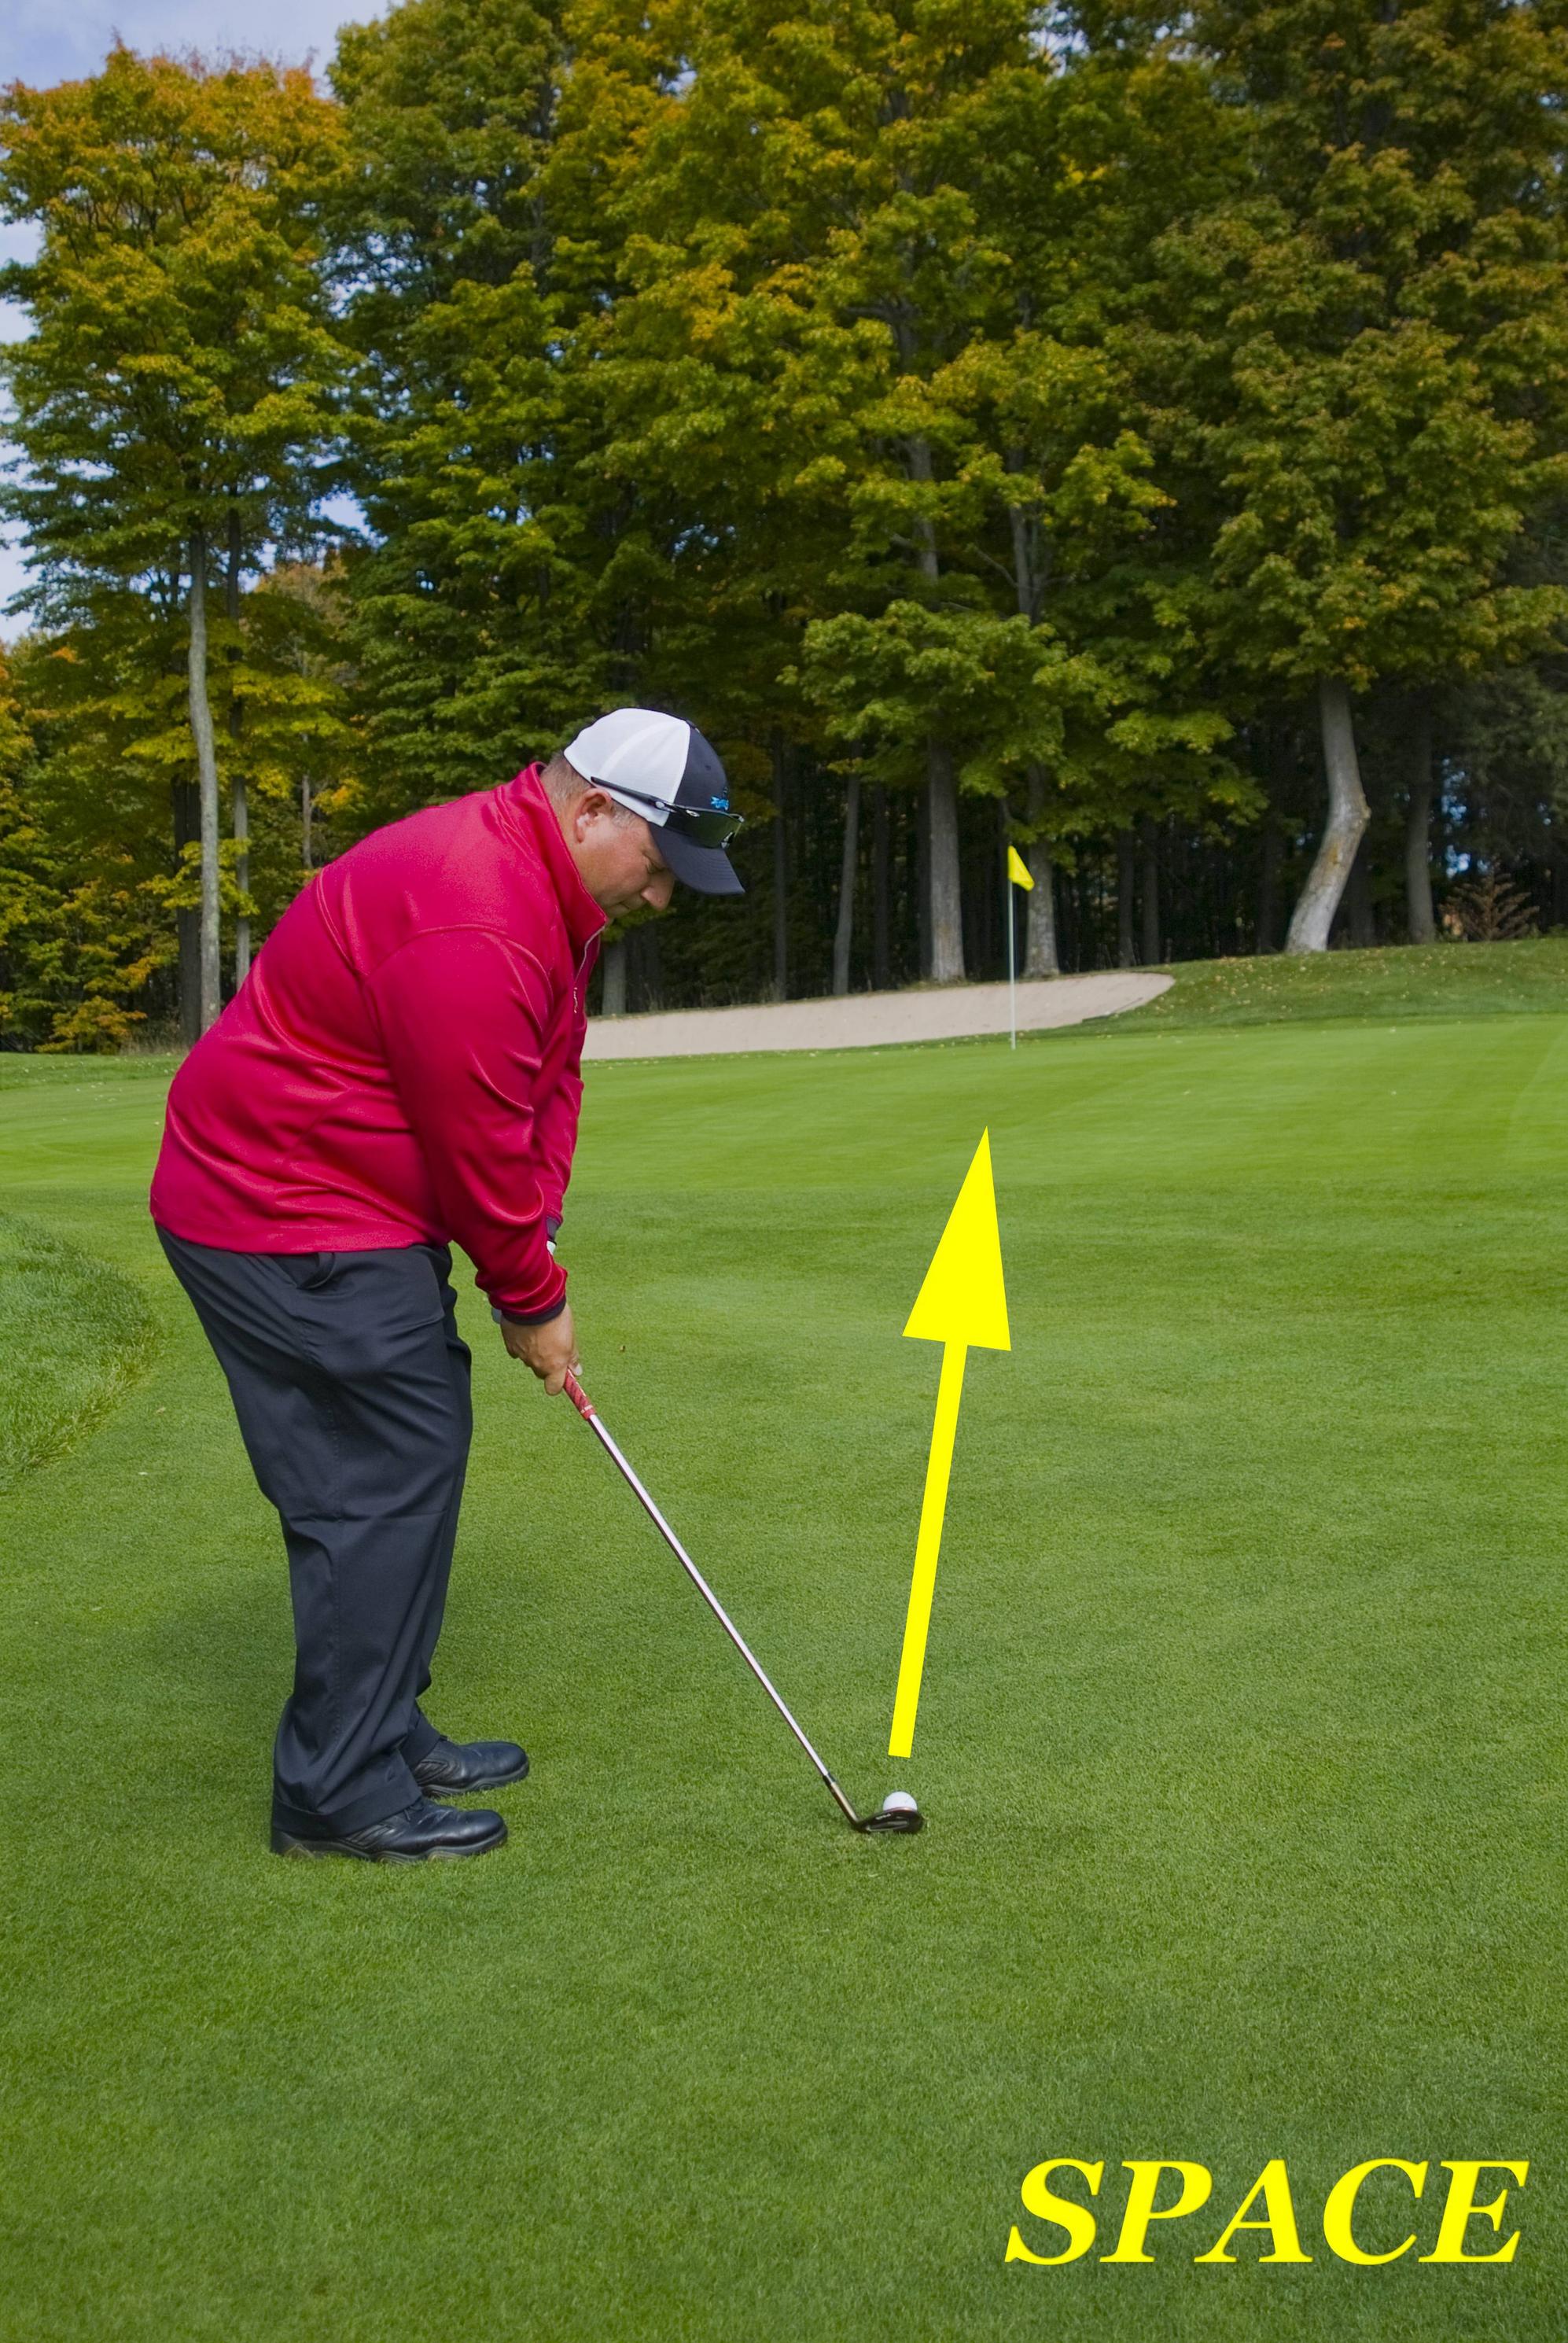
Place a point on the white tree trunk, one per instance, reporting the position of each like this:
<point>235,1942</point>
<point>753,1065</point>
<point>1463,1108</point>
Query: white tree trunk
<point>945,901</point>
<point>207,769</point>
<point>304,813</point>
<point>844,935</point>
<point>1348,815</point>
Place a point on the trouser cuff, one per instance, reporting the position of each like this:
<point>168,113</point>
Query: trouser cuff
<point>358,1814</point>
<point>422,1738</point>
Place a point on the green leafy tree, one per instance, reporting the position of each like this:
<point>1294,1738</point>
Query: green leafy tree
<point>863,345</point>
<point>1126,709</point>
<point>29,893</point>
<point>802,258</point>
<point>1363,355</point>
<point>81,927</point>
<point>911,667</point>
<point>300,732</point>
<point>719,430</point>
<point>173,406</point>
<point>503,594</point>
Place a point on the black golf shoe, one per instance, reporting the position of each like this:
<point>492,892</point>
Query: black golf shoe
<point>420,1833</point>
<point>453,1768</point>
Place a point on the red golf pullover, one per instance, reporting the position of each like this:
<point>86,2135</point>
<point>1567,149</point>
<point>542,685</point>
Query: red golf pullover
<point>400,1066</point>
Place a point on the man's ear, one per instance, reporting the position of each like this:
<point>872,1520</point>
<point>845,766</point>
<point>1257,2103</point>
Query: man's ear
<point>587,808</point>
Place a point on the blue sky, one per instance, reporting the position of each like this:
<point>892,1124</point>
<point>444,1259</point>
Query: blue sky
<point>44,41</point>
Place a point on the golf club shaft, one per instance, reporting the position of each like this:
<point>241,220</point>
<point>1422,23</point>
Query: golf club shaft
<point>592,1417</point>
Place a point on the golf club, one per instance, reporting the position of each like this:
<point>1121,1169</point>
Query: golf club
<point>900,1812</point>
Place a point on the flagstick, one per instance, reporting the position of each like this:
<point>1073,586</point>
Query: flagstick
<point>1011,964</point>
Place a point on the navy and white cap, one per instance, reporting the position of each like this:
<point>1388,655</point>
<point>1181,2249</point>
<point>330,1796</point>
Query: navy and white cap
<point>662,767</point>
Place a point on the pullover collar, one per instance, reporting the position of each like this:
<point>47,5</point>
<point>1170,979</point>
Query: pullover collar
<point>526,806</point>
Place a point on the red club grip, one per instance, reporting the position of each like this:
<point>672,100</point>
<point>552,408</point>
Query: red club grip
<point>579,1397</point>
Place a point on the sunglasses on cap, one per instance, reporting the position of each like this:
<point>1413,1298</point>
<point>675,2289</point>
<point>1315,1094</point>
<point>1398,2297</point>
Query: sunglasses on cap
<point>704,825</point>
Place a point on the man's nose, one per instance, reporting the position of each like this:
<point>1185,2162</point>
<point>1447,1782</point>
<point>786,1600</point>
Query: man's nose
<point>659,891</point>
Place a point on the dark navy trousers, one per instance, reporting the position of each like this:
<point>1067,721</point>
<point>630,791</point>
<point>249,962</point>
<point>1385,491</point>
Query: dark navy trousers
<point>351,1387</point>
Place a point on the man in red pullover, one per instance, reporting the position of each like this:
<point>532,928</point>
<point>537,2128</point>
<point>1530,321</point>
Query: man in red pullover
<point>400,1069</point>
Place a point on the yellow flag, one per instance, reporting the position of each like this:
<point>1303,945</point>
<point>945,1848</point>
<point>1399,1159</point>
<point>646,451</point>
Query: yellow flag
<point>1018,868</point>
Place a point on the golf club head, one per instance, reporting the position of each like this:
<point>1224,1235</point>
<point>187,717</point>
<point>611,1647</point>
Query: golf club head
<point>910,1820</point>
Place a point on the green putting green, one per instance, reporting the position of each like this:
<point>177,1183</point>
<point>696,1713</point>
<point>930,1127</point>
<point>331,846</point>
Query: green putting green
<point>1242,1736</point>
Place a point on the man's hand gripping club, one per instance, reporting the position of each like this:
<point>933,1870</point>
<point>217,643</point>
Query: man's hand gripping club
<point>550,1350</point>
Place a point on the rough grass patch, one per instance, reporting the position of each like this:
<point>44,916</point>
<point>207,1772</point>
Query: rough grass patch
<point>1394,981</point>
<point>74,1333</point>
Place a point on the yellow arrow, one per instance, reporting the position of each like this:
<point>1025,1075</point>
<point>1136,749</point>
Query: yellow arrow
<point>962,1302</point>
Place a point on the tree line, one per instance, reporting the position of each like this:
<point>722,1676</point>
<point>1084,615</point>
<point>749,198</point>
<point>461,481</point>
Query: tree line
<point>1132,435</point>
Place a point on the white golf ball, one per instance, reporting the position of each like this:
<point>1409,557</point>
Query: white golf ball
<point>899,1802</point>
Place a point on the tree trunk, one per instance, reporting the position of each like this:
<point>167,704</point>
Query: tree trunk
<point>1125,956</point>
<point>613,1001</point>
<point>1039,951</point>
<point>306,810</point>
<point>1149,837</point>
<point>880,969</point>
<point>946,897</point>
<point>1348,817</point>
<point>238,800</point>
<point>207,768</point>
<point>845,933</point>
<point>1419,912</point>
<point>781,868</point>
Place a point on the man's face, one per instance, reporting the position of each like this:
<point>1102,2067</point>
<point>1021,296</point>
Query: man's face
<point>616,855</point>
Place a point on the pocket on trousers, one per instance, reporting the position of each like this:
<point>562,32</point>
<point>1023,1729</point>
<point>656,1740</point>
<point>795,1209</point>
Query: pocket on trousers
<point>309,1271</point>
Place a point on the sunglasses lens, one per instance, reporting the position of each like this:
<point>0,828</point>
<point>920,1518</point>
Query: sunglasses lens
<point>706,829</point>
<point>703,827</point>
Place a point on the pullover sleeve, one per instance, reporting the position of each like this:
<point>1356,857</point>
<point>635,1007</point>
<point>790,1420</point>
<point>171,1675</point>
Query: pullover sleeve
<point>557,1124</point>
<point>556,1130</point>
<point>462,1013</point>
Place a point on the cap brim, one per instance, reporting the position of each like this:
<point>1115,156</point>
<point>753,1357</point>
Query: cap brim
<point>707,868</point>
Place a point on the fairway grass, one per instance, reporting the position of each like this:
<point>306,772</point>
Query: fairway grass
<point>1240,1738</point>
